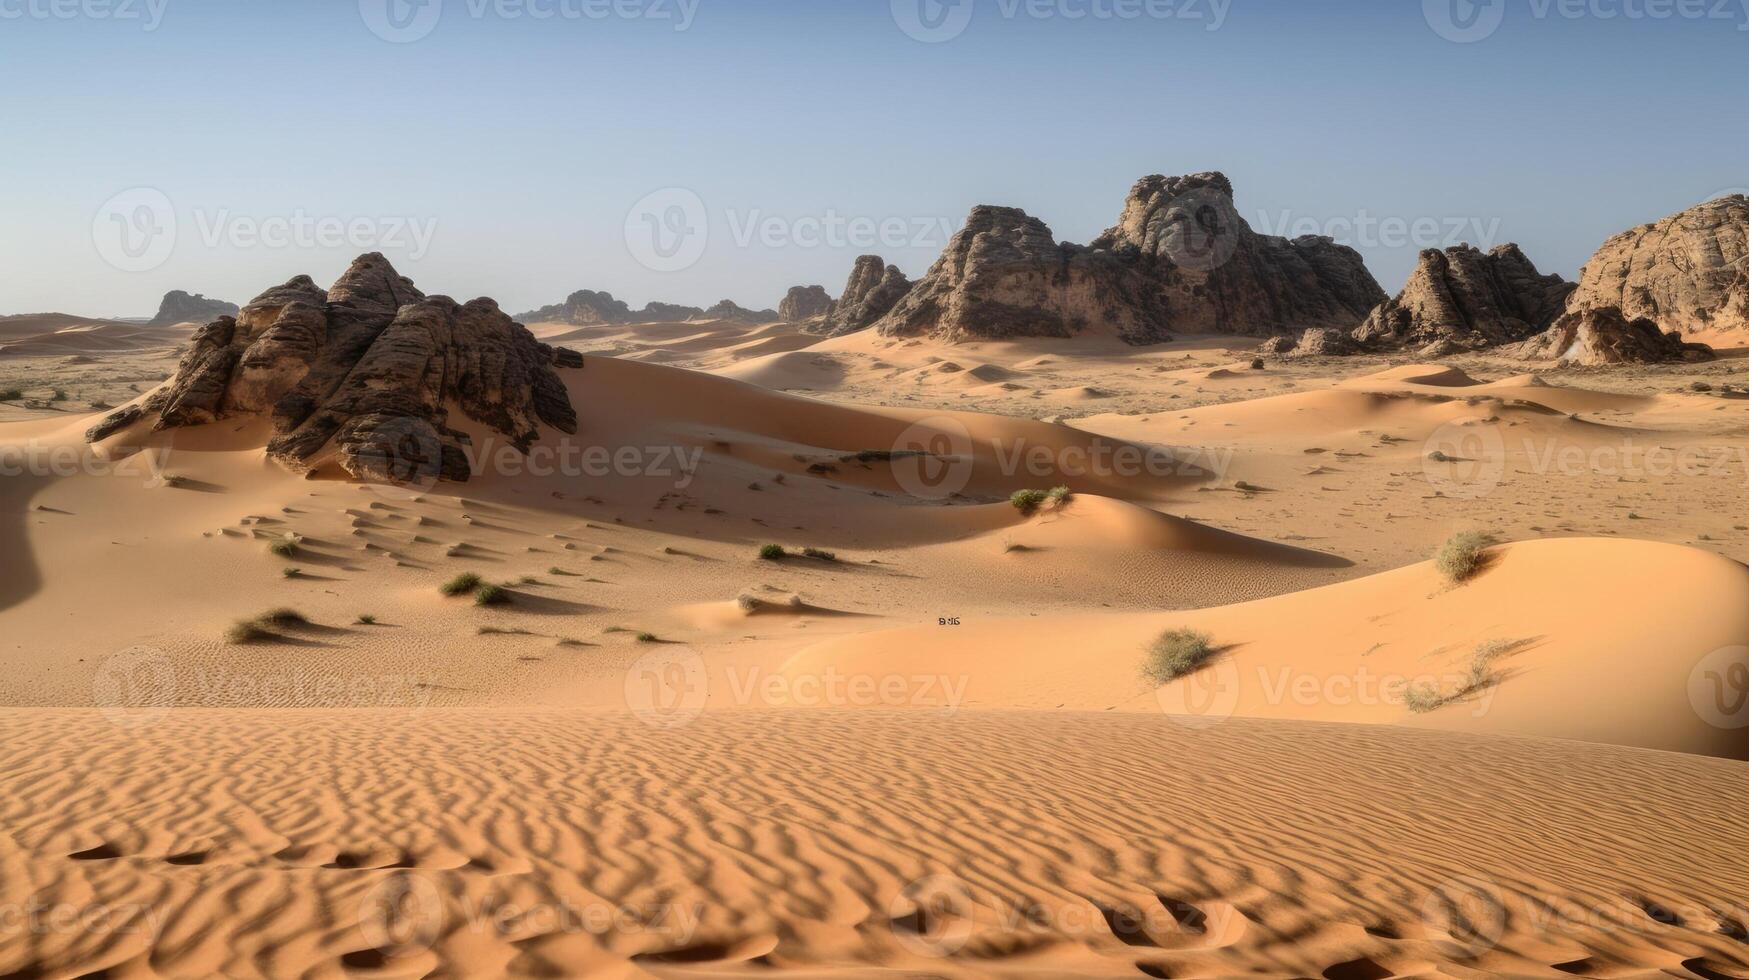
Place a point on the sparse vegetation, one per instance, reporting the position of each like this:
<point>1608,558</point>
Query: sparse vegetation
<point>772,552</point>
<point>286,547</point>
<point>1430,696</point>
<point>819,554</point>
<point>11,395</point>
<point>648,638</point>
<point>248,631</point>
<point>1177,653</point>
<point>284,617</point>
<point>291,572</point>
<point>366,619</point>
<point>1028,501</point>
<point>1463,555</point>
<point>1059,495</point>
<point>491,595</point>
<point>460,585</point>
<point>556,570</point>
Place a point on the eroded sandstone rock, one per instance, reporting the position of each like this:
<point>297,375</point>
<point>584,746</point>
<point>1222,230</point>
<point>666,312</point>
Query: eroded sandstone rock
<point>1467,299</point>
<point>804,303</point>
<point>364,375</point>
<point>180,307</point>
<point>873,289</point>
<point>1605,335</point>
<point>1688,272</point>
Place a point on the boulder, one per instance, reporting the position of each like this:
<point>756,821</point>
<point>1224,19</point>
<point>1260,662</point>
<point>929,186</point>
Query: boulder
<point>804,303</point>
<point>1688,272</point>
<point>364,376</point>
<point>1324,342</point>
<point>1467,299</point>
<point>1605,335</point>
<point>1180,258</point>
<point>180,307</point>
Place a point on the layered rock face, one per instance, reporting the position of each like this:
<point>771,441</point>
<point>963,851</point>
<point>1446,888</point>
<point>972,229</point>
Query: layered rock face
<point>728,309</point>
<point>364,374</point>
<point>1597,337</point>
<point>1179,259</point>
<point>804,303</point>
<point>587,308</point>
<point>1466,299</point>
<point>1688,272</point>
<point>180,307</point>
<point>873,289</point>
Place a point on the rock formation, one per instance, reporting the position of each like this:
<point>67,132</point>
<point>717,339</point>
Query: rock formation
<point>586,308</point>
<point>728,309</point>
<point>804,303</point>
<point>180,307</point>
<point>1179,259</point>
<point>1688,272</point>
<point>1465,299</point>
<point>873,289</point>
<point>363,375</point>
<point>1604,335</point>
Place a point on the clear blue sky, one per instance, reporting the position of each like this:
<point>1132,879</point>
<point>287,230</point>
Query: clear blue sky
<point>520,143</point>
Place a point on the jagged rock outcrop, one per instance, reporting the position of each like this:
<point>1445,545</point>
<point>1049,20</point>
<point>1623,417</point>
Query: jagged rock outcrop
<point>804,303</point>
<point>1467,299</point>
<point>1313,342</point>
<point>363,375</point>
<point>728,309</point>
<point>586,308</point>
<point>1688,272</point>
<point>873,289</point>
<point>180,307</point>
<point>1605,335</point>
<point>1180,258</point>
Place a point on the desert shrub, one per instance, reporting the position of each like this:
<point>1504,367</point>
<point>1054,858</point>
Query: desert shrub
<point>1177,653</point>
<point>11,395</point>
<point>1028,501</point>
<point>819,554</point>
<point>1463,555</point>
<point>1422,698</point>
<point>366,619</point>
<point>491,595</point>
<point>283,617</point>
<point>648,638</point>
<point>248,631</point>
<point>291,572</point>
<point>1059,495</point>
<point>284,547</point>
<point>772,552</point>
<point>460,585</point>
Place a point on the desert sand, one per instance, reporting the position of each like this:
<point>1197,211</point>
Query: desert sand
<point>929,747</point>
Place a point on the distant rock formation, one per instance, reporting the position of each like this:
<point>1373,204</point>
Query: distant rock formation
<point>1687,272</point>
<point>1312,342</point>
<point>730,310</point>
<point>587,308</point>
<point>363,376</point>
<point>1465,299</point>
<point>180,307</point>
<point>1604,335</point>
<point>1179,259</point>
<point>804,303</point>
<point>873,289</point>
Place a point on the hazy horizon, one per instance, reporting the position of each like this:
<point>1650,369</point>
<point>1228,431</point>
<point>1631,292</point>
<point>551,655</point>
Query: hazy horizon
<point>521,149</point>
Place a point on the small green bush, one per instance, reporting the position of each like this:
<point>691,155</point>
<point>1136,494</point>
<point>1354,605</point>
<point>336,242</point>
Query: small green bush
<point>491,595</point>
<point>1059,495</point>
<point>1028,501</point>
<point>460,585</point>
<point>248,631</point>
<point>284,548</point>
<point>1177,653</point>
<point>283,617</point>
<point>366,619</point>
<point>648,638</point>
<point>1463,555</point>
<point>291,572</point>
<point>772,552</point>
